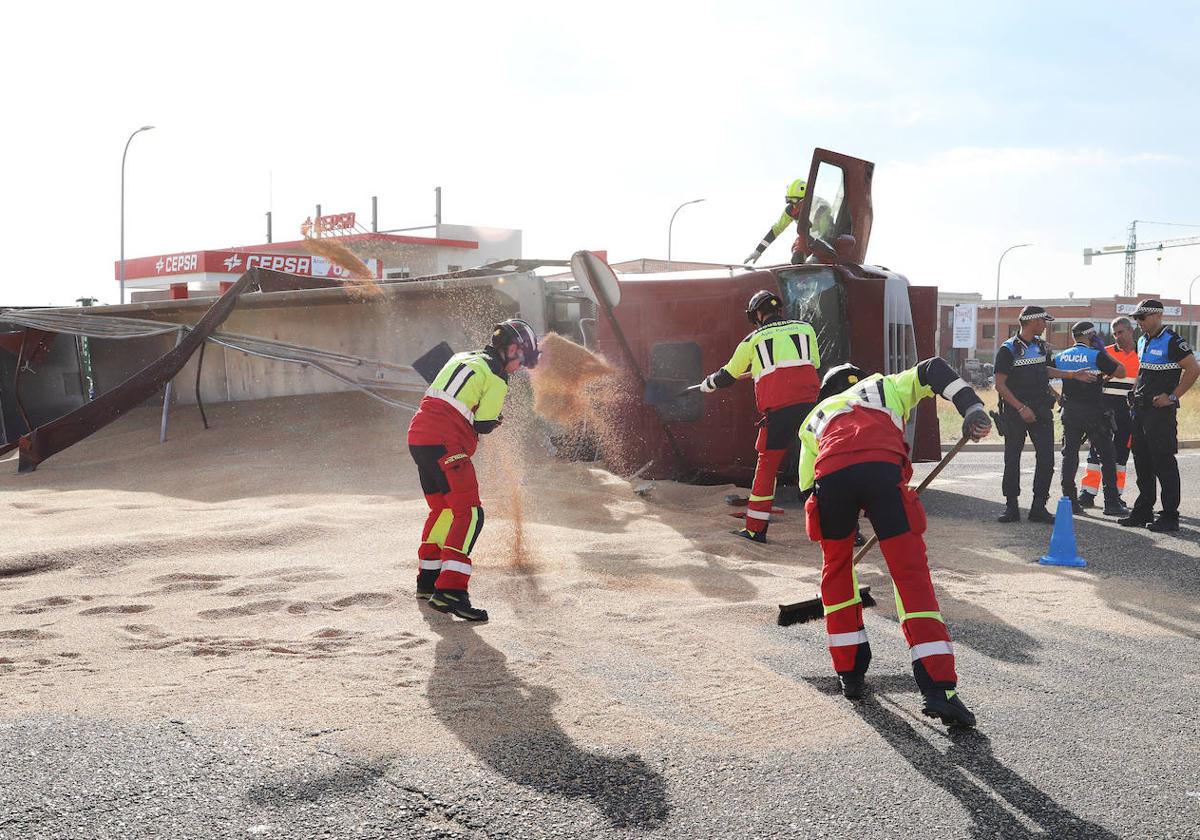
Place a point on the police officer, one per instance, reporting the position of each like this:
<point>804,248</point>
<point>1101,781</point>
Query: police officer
<point>783,358</point>
<point>1117,391</point>
<point>1167,370</point>
<point>1083,415</point>
<point>1023,381</point>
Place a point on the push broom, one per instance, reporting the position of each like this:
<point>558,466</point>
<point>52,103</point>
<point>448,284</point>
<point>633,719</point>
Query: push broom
<point>812,609</point>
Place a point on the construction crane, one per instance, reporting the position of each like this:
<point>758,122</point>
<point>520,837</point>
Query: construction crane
<point>1132,247</point>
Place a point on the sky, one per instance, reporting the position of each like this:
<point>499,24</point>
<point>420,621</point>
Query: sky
<point>585,125</point>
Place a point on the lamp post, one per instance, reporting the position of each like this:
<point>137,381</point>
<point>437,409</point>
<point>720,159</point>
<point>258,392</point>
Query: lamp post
<point>996,308</point>
<point>123,155</point>
<point>670,226</point>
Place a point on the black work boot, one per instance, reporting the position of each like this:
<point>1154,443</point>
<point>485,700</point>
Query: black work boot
<point>945,704</point>
<point>1087,500</point>
<point>854,685</point>
<point>457,602</point>
<point>1012,513</point>
<point>1076,507</point>
<point>426,578</point>
<point>1165,522</point>
<point>1038,512</point>
<point>1115,507</point>
<point>1136,519</point>
<point>753,536</point>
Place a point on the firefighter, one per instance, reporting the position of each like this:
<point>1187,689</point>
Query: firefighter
<point>463,402</point>
<point>1084,415</point>
<point>853,452</point>
<point>791,213</point>
<point>1116,401</point>
<point>783,358</point>
<point>1167,368</point>
<point>1023,374</point>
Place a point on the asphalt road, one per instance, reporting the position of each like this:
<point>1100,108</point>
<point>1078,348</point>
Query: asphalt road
<point>1086,731</point>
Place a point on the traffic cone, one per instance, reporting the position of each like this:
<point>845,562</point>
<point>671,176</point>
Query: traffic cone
<point>1062,541</point>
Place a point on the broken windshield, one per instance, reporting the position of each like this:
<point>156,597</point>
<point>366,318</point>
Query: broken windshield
<point>815,295</point>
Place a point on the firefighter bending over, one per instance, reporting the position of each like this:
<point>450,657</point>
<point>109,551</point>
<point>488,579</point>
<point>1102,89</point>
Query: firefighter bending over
<point>783,358</point>
<point>791,213</point>
<point>463,402</point>
<point>853,452</point>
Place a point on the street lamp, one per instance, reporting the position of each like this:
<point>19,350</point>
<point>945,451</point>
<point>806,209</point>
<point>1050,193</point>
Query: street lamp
<point>126,152</point>
<point>677,209</point>
<point>996,308</point>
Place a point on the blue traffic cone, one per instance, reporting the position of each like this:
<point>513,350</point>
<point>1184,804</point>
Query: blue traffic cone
<point>1062,542</point>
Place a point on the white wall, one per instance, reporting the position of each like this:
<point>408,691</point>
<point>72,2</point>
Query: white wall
<point>494,244</point>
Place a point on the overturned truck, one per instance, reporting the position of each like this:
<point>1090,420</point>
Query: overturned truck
<point>66,372</point>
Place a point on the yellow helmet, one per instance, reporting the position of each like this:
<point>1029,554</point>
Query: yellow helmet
<point>797,189</point>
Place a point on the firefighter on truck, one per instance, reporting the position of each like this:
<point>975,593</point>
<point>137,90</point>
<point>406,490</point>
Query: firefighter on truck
<point>782,357</point>
<point>853,456</point>
<point>463,402</point>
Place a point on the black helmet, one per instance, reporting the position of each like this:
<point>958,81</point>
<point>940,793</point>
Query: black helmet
<point>840,378</point>
<point>515,331</point>
<point>762,301</point>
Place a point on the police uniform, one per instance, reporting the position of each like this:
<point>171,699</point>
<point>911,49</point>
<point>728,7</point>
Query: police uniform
<point>1155,430</point>
<point>1083,415</point>
<point>782,357</point>
<point>854,456</point>
<point>1029,380</point>
<point>1116,402</point>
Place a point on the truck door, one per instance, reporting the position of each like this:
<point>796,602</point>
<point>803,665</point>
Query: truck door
<point>837,203</point>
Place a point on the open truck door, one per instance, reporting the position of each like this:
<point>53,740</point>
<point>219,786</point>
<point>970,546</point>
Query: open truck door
<point>836,215</point>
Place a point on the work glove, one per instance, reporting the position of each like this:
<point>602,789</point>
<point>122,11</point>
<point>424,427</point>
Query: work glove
<point>976,423</point>
<point>709,384</point>
<point>752,259</point>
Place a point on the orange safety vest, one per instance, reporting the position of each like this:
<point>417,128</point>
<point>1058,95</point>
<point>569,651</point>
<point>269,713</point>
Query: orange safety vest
<point>1129,358</point>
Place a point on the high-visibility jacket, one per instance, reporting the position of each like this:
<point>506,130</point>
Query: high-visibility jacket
<point>464,400</point>
<point>866,422</point>
<point>782,357</point>
<point>1121,388</point>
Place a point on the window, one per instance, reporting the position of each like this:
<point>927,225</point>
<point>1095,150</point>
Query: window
<point>828,215</point>
<point>989,331</point>
<point>676,365</point>
<point>453,268</point>
<point>402,273</point>
<point>815,295</point>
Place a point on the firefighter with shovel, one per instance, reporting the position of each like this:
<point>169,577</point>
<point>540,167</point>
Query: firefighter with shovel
<point>783,358</point>
<point>462,402</point>
<point>854,455</point>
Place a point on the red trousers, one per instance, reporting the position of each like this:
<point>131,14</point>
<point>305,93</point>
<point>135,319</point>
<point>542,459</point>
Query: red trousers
<point>881,490</point>
<point>455,514</point>
<point>777,431</point>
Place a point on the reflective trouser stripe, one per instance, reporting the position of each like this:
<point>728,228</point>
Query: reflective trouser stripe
<point>936,616</point>
<point>931,649</point>
<point>456,566</point>
<point>469,537</point>
<point>441,528</point>
<point>847,639</point>
<point>904,616</point>
<point>431,564</point>
<point>770,498</point>
<point>857,599</point>
<point>758,514</point>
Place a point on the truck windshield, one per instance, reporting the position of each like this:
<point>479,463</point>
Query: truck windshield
<point>815,295</point>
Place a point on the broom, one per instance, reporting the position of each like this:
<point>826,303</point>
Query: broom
<point>812,609</point>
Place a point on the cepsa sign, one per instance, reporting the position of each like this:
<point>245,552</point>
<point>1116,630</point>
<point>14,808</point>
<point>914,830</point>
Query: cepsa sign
<point>236,262</point>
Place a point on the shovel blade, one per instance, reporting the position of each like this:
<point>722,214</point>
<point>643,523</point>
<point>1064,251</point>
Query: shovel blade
<point>432,361</point>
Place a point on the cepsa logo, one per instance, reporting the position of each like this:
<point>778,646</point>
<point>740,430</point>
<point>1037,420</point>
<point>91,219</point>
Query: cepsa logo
<point>280,262</point>
<point>177,264</point>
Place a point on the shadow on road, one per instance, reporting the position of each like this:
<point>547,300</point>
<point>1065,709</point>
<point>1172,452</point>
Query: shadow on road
<point>508,724</point>
<point>968,771</point>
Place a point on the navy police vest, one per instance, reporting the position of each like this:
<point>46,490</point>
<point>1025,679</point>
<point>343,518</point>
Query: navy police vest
<point>1029,380</point>
<point>1079,357</point>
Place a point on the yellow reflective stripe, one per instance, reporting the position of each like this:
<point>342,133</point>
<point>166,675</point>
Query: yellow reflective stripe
<point>441,528</point>
<point>762,498</point>
<point>471,529</point>
<point>857,599</point>
<point>936,616</point>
